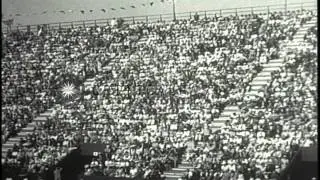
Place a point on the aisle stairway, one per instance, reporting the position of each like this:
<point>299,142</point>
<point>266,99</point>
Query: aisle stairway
<point>298,38</point>
<point>178,172</point>
<point>24,132</point>
<point>265,75</point>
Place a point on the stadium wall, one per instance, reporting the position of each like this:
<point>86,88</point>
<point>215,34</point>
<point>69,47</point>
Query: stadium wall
<point>304,165</point>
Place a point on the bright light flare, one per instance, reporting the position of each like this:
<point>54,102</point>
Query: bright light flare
<point>68,90</point>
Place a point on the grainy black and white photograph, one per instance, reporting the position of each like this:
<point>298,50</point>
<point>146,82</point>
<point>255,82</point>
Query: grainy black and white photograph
<point>159,90</point>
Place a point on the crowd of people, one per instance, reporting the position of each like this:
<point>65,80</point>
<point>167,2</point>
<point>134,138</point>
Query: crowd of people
<point>175,76</point>
<point>34,69</point>
<point>260,141</point>
<point>311,36</point>
<point>149,80</point>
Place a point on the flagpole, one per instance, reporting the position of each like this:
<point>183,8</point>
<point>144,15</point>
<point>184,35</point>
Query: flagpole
<point>174,10</point>
<point>285,7</point>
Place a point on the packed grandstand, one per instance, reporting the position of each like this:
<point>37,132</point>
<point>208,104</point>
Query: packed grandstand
<point>153,92</point>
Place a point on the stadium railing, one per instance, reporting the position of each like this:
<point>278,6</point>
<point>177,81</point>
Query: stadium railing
<point>312,5</point>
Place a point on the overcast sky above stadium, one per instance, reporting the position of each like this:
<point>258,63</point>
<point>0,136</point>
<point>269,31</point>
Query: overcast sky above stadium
<point>27,7</point>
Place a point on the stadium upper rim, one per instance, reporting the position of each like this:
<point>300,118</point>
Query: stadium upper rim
<point>310,5</point>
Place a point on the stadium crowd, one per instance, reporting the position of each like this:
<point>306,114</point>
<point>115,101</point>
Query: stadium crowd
<point>259,142</point>
<point>156,74</point>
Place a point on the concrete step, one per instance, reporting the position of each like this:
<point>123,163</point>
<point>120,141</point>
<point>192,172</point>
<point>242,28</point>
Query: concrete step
<point>41,118</point>
<point>293,45</point>
<point>312,21</point>
<point>45,114</point>
<point>271,69</point>
<point>33,124</point>
<point>224,115</point>
<point>257,109</point>
<point>89,80</point>
<point>172,173</point>
<point>19,135</point>
<point>184,162</point>
<point>263,74</point>
<point>252,93</point>
<point>290,74</point>
<point>222,119</point>
<point>28,129</point>
<point>214,128</point>
<point>23,133</point>
<point>218,124</point>
<point>276,61</point>
<point>305,27</point>
<point>258,83</point>
<point>272,64</point>
<point>310,24</point>
<point>50,110</point>
<point>185,166</point>
<point>257,87</point>
<point>229,112</point>
<point>169,176</point>
<point>14,140</point>
<point>301,41</point>
<point>301,32</point>
<point>262,78</point>
<point>231,108</point>
<point>299,36</point>
<point>8,145</point>
<point>180,169</point>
